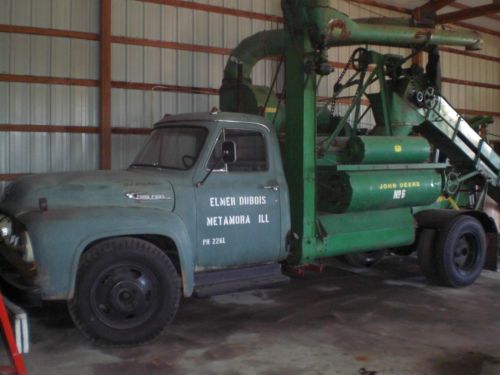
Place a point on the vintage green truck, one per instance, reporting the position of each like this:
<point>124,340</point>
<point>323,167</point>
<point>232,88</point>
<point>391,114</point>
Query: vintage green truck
<point>120,244</point>
<point>222,201</point>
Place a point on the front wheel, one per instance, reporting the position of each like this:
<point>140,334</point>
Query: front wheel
<point>127,290</point>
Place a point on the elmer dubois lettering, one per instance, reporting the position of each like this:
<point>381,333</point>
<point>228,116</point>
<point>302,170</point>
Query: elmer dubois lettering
<point>257,200</point>
<point>222,202</point>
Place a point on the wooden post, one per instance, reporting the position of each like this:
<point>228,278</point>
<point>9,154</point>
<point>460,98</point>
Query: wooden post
<point>105,85</point>
<point>418,58</point>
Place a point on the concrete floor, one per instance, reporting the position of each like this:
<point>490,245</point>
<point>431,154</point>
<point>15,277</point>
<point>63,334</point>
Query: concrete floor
<point>385,320</point>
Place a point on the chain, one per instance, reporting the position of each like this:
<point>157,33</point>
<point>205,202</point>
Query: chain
<point>341,77</point>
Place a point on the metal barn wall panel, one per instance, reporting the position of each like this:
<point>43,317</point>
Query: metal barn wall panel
<point>49,104</point>
<point>77,15</point>
<point>44,152</point>
<point>125,147</point>
<point>43,104</point>
<point>163,66</point>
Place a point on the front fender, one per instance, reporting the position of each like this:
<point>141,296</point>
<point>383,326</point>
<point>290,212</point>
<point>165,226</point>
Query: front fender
<point>59,238</point>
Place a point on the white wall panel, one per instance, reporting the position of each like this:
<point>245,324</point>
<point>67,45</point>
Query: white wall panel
<point>32,152</point>
<point>168,64</point>
<point>152,65</point>
<point>59,105</point>
<point>41,13</point>
<point>61,14</point>
<point>39,112</point>
<point>152,25</point>
<point>185,72</point>
<point>125,147</point>
<point>134,63</point>
<point>20,54</point>
<point>49,56</point>
<point>4,151</point>
<point>135,19</point>
<point>135,109</point>
<point>4,103</point>
<point>79,15</point>
<point>19,103</point>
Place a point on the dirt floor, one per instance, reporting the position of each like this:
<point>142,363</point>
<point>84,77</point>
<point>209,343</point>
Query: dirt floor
<point>384,320</point>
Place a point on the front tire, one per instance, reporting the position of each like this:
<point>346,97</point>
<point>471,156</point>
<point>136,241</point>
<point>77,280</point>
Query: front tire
<point>127,290</point>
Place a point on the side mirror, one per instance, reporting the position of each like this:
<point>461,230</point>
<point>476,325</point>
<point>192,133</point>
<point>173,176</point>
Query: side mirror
<point>228,152</point>
<point>228,156</point>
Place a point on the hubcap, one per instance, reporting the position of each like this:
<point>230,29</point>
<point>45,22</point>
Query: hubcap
<point>125,295</point>
<point>465,254</point>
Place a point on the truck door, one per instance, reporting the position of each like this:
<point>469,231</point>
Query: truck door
<point>238,206</point>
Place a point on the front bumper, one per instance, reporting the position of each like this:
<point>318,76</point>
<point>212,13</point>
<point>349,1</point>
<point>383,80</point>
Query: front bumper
<point>17,278</point>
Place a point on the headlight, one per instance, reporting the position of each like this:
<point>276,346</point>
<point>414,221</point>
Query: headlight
<point>5,227</point>
<point>27,252</point>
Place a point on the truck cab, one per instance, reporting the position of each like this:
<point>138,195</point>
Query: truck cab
<point>122,246</point>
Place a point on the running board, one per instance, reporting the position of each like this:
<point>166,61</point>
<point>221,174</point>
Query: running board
<point>211,283</point>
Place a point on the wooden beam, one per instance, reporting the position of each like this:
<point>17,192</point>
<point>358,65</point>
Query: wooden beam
<point>456,5</point>
<point>105,86</point>
<point>217,9</point>
<point>21,78</point>
<point>161,87</point>
<point>434,5</point>
<point>403,10</point>
<point>227,51</point>
<point>73,129</point>
<point>481,29</point>
<point>474,55</point>
<point>471,83</point>
<point>14,29</point>
<point>468,13</point>
<point>380,5</point>
<point>197,89</point>
<point>425,15</point>
<point>11,176</point>
<point>31,128</point>
<point>171,45</point>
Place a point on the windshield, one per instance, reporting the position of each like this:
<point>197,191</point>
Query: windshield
<point>172,148</point>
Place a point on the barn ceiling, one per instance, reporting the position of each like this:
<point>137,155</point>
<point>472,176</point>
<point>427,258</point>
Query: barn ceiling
<point>490,21</point>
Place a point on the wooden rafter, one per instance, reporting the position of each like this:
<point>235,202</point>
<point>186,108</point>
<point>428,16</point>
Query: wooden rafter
<point>105,86</point>
<point>456,5</point>
<point>434,5</point>
<point>468,13</point>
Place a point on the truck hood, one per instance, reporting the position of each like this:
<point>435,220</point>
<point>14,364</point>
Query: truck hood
<point>133,188</point>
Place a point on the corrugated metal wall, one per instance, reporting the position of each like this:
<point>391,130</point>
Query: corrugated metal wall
<point>46,104</point>
<point>24,103</point>
<point>162,66</point>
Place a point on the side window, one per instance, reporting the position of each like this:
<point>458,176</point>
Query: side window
<point>251,155</point>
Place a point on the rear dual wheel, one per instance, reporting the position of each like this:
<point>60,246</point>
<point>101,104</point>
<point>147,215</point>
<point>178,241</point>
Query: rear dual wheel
<point>455,255</point>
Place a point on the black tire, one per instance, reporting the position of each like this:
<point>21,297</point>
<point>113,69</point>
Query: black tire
<point>461,251</point>
<point>365,258</point>
<point>426,252</point>
<point>127,290</point>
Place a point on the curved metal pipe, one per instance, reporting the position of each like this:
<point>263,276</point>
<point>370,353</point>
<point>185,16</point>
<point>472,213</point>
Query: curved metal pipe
<point>333,28</point>
<point>253,49</point>
<point>400,36</point>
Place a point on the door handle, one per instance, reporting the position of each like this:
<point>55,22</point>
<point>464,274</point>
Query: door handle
<point>272,187</point>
